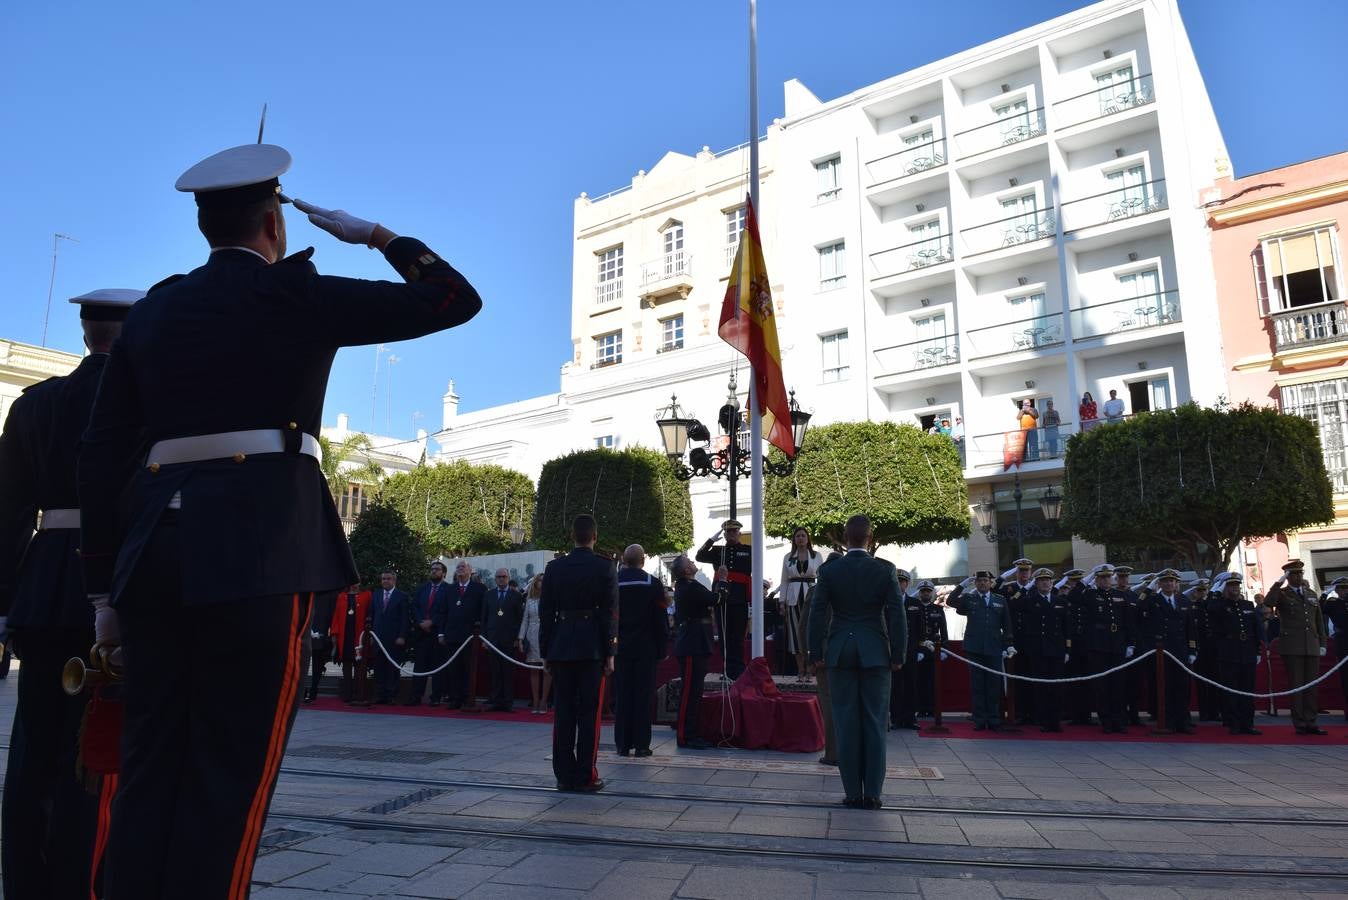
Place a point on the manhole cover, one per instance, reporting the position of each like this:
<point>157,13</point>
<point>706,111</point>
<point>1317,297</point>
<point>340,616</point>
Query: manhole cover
<point>406,800</point>
<point>364,754</point>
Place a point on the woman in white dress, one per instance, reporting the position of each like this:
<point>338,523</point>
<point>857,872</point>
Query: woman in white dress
<point>527,643</point>
<point>798,573</point>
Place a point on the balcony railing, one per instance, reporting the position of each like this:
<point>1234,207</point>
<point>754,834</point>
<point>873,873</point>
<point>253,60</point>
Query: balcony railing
<point>1022,126</point>
<point>730,251</point>
<point>606,361</point>
<point>1035,333</point>
<point>1128,314</point>
<point>1022,228</point>
<point>911,160</point>
<point>606,292</point>
<point>1309,325</point>
<point>1045,442</point>
<point>921,254</point>
<point>927,353</point>
<point>1114,206</point>
<point>1105,101</point>
<point>671,265</point>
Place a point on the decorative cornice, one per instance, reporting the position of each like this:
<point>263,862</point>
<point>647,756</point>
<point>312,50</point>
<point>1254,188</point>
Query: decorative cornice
<point>1280,205</point>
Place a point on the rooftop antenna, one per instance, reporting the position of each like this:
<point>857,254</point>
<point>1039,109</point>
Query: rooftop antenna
<point>262,124</point>
<point>56,239</point>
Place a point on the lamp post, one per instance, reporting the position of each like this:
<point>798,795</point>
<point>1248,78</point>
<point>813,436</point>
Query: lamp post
<point>678,429</point>
<point>985,511</point>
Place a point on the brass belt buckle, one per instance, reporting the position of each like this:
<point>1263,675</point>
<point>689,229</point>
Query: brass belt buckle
<point>1113,628</point>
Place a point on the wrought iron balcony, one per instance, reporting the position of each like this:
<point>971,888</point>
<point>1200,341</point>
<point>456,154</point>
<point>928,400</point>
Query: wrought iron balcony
<point>913,159</point>
<point>930,251</point>
<point>1042,443</point>
<point>1022,228</point>
<point>1306,326</point>
<point>1103,102</point>
<point>1128,314</point>
<point>671,265</point>
<point>927,353</point>
<point>1022,126</point>
<point>1116,205</point>
<point>1035,333</point>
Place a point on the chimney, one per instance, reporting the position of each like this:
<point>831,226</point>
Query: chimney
<point>343,423</point>
<point>451,400</point>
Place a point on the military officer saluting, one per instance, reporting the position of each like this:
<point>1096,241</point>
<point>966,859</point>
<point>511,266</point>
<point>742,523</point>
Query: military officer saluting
<point>1334,606</point>
<point>1109,639</point>
<point>1014,584</point>
<point>1132,676</point>
<point>231,473</point>
<point>693,605</point>
<point>1233,641</point>
<point>931,632</point>
<point>49,819</point>
<point>734,562</point>
<point>1301,641</point>
<point>988,638</point>
<point>1045,645</point>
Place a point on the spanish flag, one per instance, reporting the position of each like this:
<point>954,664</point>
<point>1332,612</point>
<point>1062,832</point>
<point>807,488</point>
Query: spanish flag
<point>748,326</point>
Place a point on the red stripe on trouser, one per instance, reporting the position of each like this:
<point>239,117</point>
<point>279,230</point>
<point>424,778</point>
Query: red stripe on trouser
<point>598,723</point>
<point>105,796</point>
<point>683,697</point>
<point>252,833</point>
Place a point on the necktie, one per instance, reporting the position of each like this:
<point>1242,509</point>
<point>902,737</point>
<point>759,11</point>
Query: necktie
<point>386,599</point>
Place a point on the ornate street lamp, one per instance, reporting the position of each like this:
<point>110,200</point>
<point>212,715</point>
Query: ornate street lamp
<point>1051,505</point>
<point>985,516</point>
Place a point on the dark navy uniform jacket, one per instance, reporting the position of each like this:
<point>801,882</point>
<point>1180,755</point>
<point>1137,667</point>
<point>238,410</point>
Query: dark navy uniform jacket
<point>457,611</point>
<point>236,345</point>
<point>1109,625</point>
<point>575,613</point>
<point>643,624</point>
<point>1172,626</point>
<point>1042,624</point>
<point>738,560</point>
<point>692,616</point>
<point>913,613</point>
<point>1233,630</point>
<point>40,582</point>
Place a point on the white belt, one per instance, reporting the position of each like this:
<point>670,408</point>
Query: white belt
<point>236,445</point>
<point>59,519</point>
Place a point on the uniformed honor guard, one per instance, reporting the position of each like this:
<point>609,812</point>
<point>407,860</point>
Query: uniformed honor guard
<point>1045,645</point>
<point>903,682</point>
<point>426,650</point>
<point>643,636</point>
<point>1233,634</point>
<point>1013,584</point>
<point>933,631</point>
<point>231,473</point>
<point>693,605</point>
<point>580,591</point>
<point>1335,610</point>
<point>502,612</point>
<point>320,641</point>
<point>1301,641</point>
<point>457,616</point>
<point>1169,618</point>
<point>49,819</point>
<point>1209,699</point>
<point>1080,694</point>
<point>734,566</point>
<point>1109,641</point>
<point>1133,675</point>
<point>988,639</point>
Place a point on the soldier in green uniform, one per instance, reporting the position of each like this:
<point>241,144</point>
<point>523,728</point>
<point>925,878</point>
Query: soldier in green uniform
<point>988,640</point>
<point>1301,641</point>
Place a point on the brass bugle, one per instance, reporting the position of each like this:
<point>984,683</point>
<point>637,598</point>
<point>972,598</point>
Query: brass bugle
<point>76,677</point>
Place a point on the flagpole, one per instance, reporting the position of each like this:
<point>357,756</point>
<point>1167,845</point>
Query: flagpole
<point>756,533</point>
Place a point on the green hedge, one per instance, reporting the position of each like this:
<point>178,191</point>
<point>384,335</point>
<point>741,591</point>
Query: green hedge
<point>480,502</point>
<point>382,539</point>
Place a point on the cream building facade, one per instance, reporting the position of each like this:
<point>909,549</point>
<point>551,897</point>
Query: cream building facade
<point>23,365</point>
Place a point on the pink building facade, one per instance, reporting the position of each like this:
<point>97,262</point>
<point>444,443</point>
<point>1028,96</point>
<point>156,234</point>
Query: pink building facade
<point>1277,247</point>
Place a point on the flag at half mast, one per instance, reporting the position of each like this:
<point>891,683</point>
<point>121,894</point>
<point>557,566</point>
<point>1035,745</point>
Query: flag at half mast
<point>748,325</point>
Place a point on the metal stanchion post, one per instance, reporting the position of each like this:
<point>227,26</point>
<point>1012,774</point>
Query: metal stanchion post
<point>936,726</point>
<point>1010,726</point>
<point>1268,667</point>
<point>1159,726</point>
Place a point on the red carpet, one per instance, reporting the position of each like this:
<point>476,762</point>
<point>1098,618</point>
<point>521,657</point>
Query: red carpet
<point>963,729</point>
<point>332,704</point>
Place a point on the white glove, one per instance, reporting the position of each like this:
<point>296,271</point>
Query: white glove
<point>944,656</point>
<point>929,645</point>
<point>966,582</point>
<point>1008,573</point>
<point>1009,652</point>
<point>1061,583</point>
<point>1256,659</point>
<point>1192,658</point>
<point>1128,652</point>
<point>107,632</point>
<point>1066,658</point>
<point>1154,585</point>
<point>1281,581</point>
<point>338,222</point>
<point>1324,650</point>
<point>313,634</point>
<point>919,657</point>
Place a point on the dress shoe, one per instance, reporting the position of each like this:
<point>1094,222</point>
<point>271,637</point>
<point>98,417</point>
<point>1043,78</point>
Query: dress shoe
<point>825,761</point>
<point>308,698</point>
<point>435,701</point>
<point>593,787</point>
<point>1315,730</point>
<point>624,752</point>
<point>872,803</point>
<point>852,802</point>
<point>567,788</point>
<point>644,751</point>
<point>1254,731</point>
<point>980,727</point>
<point>1185,729</point>
<point>994,728</point>
<point>696,744</point>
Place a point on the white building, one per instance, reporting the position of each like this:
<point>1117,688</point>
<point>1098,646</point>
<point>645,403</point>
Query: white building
<point>1013,222</point>
<point>23,365</point>
<point>391,454</point>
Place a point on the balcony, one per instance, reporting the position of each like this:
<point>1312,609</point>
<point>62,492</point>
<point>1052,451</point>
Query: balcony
<point>1104,102</point>
<point>1043,444</point>
<point>1035,333</point>
<point>911,160</point>
<point>607,293</point>
<point>927,353</point>
<point>930,251</point>
<point>1128,314</point>
<point>1307,326</point>
<point>1014,129</point>
<point>667,277</point>
<point>1114,206</point>
<point>1022,228</point>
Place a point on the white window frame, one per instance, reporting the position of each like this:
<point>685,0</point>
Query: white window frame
<point>1020,192</point>
<point>609,277</point>
<point>667,324</point>
<point>1268,293</point>
<point>736,219</point>
<point>838,279</point>
<point>672,238</point>
<point>1123,167</point>
<point>926,149</point>
<point>1334,434</point>
<point>605,355</point>
<point>1112,66</point>
<point>828,194</point>
<point>607,441</point>
<point>1015,118</point>
<point>842,364</point>
<point>1166,374</point>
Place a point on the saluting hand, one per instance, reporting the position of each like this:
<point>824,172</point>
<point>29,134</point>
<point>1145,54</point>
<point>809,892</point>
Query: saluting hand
<point>339,223</point>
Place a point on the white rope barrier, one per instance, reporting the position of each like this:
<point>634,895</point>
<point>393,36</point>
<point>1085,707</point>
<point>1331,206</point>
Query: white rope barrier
<point>507,657</point>
<point>412,672</point>
<point>1031,678</point>
<point>1231,690</point>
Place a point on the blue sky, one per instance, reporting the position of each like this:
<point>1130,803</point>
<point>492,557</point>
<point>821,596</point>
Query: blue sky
<point>474,126</point>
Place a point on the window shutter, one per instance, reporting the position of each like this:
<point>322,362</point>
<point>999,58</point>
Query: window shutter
<point>1260,279</point>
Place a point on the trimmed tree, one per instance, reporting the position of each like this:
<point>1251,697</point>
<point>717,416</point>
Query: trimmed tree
<point>632,494</point>
<point>480,503</point>
<point>908,482</point>
<point>1197,481</point>
<point>335,455</point>
<point>382,539</point>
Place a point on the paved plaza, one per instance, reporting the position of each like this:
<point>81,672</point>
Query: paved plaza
<point>401,806</point>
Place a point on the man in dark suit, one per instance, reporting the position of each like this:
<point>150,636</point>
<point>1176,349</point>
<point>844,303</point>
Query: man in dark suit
<point>457,617</point>
<point>320,641</point>
<point>575,638</point>
<point>858,630</point>
<point>502,613</point>
<point>49,819</point>
<point>426,649</point>
<point>213,397</point>
<point>643,632</point>
<point>391,610</point>
<point>987,640</point>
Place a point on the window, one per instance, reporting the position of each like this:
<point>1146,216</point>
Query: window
<point>607,441</point>
<point>930,327</point>
<point>1020,217</point>
<point>832,267</point>
<point>353,501</point>
<point>826,178</point>
<point>1014,118</point>
<point>671,333</point>
<point>1153,393</point>
<point>1146,283</point>
<point>1129,193</point>
<point>734,227</point>
<point>610,287</point>
<point>920,151</point>
<point>1116,89</point>
<point>673,241</point>
<point>834,348</point>
<point>1323,402</point>
<point>1302,269</point>
<point>608,349</point>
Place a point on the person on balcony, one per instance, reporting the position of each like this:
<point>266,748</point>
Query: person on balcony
<point>1087,414</point>
<point>1028,418</point>
<point>1052,419</point>
<point>1114,408</point>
